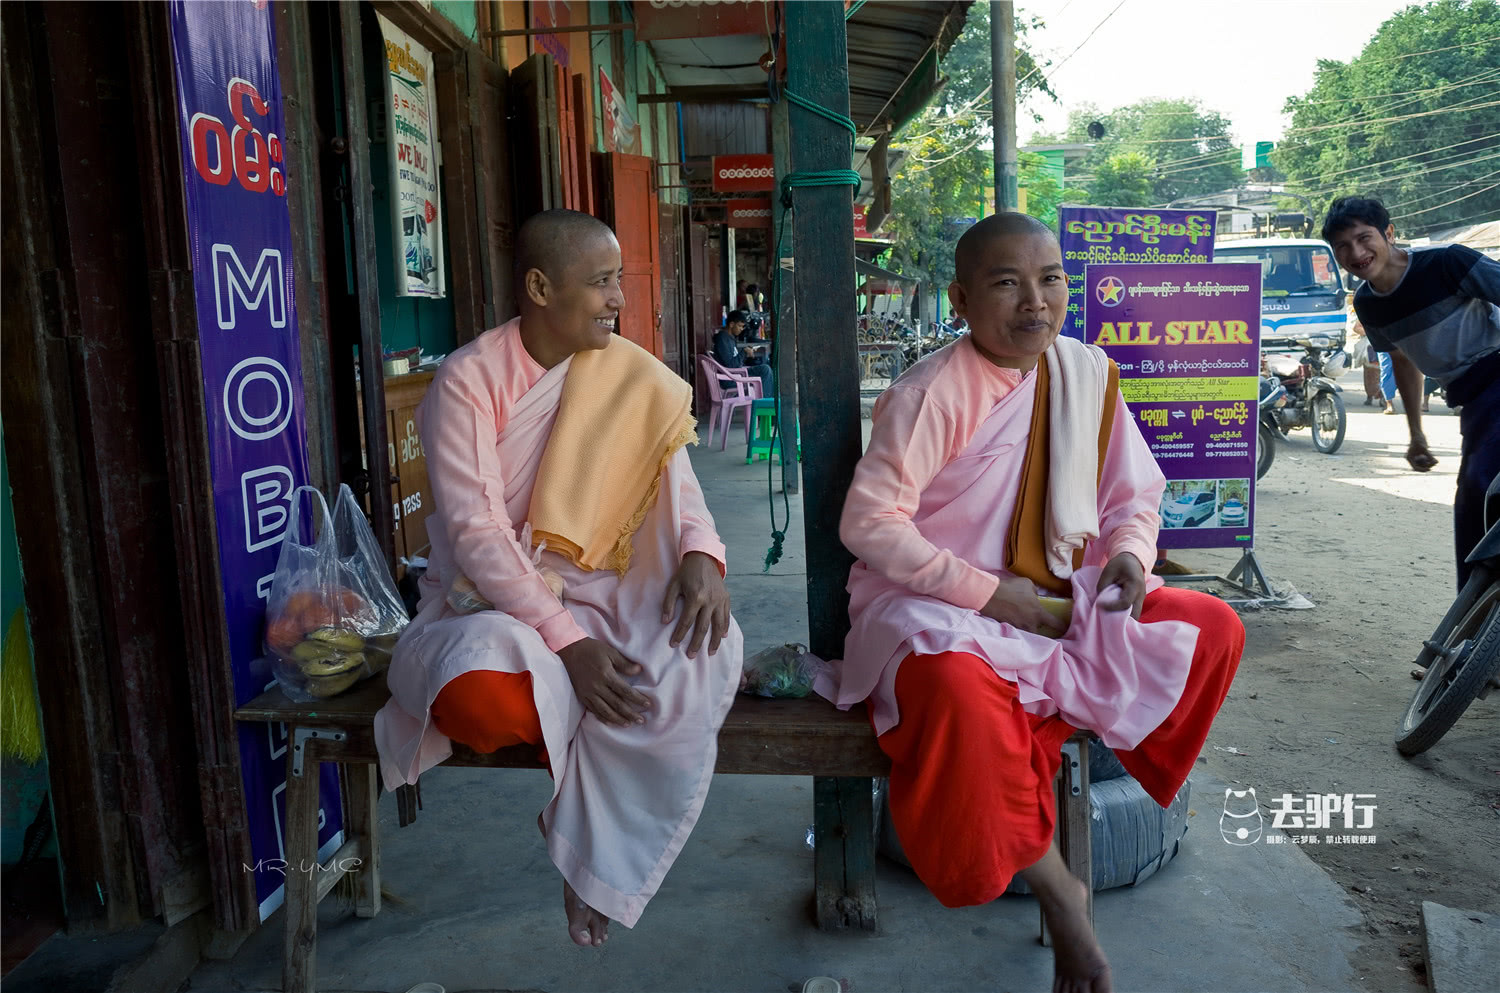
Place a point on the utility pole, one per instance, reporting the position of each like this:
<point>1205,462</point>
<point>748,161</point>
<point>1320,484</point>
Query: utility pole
<point>1003,101</point>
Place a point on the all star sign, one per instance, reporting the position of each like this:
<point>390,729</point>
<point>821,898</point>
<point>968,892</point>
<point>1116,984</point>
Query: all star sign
<point>750,213</point>
<point>743,173</point>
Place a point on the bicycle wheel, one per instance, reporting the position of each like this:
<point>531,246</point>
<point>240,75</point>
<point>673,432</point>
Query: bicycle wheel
<point>1461,659</point>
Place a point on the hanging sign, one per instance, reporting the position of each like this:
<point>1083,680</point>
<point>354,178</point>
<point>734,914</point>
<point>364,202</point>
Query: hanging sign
<point>743,173</point>
<point>1187,340</point>
<point>621,134</point>
<point>659,19</point>
<point>1127,234</point>
<point>234,176</point>
<point>416,201</point>
<point>550,14</point>
<point>750,213</point>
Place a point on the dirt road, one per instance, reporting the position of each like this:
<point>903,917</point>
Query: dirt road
<point>1315,705</point>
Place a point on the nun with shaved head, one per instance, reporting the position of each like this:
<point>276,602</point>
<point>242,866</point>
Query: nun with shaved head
<point>1004,518</point>
<point>574,601</point>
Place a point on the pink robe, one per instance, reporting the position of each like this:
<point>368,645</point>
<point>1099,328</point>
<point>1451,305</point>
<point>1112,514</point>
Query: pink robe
<point>928,515</point>
<point>624,799</point>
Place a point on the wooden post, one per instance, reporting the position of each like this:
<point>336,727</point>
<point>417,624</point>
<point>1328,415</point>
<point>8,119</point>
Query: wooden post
<point>366,280</point>
<point>362,791</point>
<point>828,395</point>
<point>786,323</point>
<point>299,965</point>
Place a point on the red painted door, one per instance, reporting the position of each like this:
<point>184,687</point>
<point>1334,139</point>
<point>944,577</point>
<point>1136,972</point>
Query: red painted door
<point>635,221</point>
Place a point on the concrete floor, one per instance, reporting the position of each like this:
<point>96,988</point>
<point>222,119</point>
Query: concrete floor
<point>476,901</point>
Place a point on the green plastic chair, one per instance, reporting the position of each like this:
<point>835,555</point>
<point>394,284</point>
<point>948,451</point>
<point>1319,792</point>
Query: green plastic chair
<point>760,445</point>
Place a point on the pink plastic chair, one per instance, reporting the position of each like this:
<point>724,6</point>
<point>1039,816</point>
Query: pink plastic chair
<point>744,390</point>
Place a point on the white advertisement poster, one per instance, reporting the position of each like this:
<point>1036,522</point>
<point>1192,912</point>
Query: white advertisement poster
<point>416,202</point>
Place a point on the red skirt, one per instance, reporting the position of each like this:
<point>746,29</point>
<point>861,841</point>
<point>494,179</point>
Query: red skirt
<point>972,773</point>
<point>489,710</point>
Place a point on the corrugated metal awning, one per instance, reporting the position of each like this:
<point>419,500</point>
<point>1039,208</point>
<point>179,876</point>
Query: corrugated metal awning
<point>894,54</point>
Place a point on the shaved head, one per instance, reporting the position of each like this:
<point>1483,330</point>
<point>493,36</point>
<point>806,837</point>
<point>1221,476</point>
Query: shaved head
<point>553,239</point>
<point>1008,224</point>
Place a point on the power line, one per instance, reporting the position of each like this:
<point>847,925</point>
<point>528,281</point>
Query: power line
<point>1371,181</point>
<point>1402,117</point>
<point>1455,186</point>
<point>1397,178</point>
<point>1428,210</point>
<point>1425,151</point>
<point>1074,52</point>
<point>1412,55</point>
<point>1033,72</point>
<point>1483,77</point>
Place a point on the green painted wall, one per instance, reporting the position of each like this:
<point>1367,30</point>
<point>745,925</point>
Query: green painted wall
<point>463,13</point>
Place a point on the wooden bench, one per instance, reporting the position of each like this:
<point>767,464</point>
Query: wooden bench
<point>764,737</point>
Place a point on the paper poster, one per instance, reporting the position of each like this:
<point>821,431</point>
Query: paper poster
<point>416,201</point>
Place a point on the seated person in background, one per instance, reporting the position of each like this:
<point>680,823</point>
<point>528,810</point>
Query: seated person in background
<point>727,351</point>
<point>750,298</point>
<point>1001,468</point>
<point>565,503</point>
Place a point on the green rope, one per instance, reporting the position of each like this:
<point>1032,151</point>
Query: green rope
<point>822,111</point>
<point>824,177</point>
<point>855,8</point>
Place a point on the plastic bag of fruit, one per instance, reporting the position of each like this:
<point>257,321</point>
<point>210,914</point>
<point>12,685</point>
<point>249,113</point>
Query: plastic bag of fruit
<point>334,613</point>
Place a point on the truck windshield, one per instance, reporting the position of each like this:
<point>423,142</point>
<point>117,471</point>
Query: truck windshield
<point>1290,270</point>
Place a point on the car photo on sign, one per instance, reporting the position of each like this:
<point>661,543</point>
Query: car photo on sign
<point>1190,503</point>
<point>1234,503</point>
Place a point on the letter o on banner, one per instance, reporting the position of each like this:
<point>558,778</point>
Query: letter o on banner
<point>743,173</point>
<point>250,425</point>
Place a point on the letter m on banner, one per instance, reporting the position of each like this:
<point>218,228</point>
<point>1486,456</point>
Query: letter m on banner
<point>267,282</point>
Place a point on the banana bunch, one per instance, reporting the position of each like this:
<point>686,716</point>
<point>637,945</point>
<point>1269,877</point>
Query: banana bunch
<point>332,659</point>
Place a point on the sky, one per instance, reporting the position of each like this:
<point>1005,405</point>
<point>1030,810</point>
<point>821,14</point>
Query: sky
<point>1242,59</point>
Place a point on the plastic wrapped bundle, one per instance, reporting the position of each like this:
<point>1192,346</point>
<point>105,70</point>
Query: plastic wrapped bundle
<point>782,671</point>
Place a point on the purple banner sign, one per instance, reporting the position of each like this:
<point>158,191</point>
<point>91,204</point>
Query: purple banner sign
<point>1127,234</point>
<point>229,102</point>
<point>1187,341</point>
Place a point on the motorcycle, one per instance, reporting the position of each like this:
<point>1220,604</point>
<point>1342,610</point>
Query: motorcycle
<point>1462,658</point>
<point>1314,399</point>
<point>1272,399</point>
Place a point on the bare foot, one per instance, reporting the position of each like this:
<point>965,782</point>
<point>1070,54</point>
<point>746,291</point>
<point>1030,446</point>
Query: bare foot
<point>1078,965</point>
<point>586,926</point>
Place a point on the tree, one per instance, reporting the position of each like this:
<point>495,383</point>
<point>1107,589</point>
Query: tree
<point>1187,150</point>
<point>1412,120</point>
<point>1043,192</point>
<point>1123,180</point>
<point>948,171</point>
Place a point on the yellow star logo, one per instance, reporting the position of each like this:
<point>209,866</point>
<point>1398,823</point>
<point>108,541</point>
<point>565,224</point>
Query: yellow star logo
<point>1110,290</point>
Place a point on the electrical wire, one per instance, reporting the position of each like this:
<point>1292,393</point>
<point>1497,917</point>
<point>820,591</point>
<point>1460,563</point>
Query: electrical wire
<point>1412,55</point>
<point>1441,193</point>
<point>1483,77</point>
<point>1428,210</point>
<point>1402,117</point>
<point>1398,158</point>
<point>1074,52</point>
